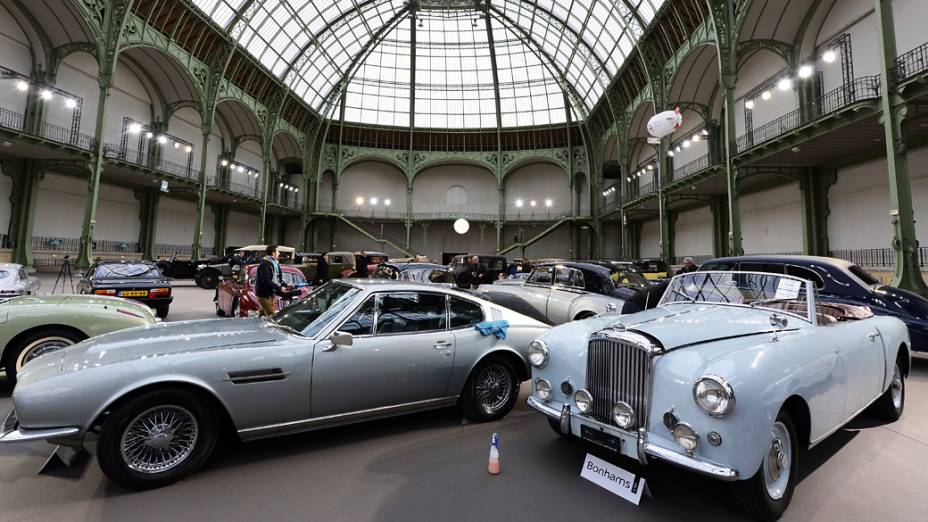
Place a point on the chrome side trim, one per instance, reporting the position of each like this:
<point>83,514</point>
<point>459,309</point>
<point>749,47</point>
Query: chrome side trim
<point>10,431</point>
<point>543,408</point>
<point>339,419</point>
<point>683,461</point>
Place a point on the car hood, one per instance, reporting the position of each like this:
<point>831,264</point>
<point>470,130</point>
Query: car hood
<point>682,325</point>
<point>69,299</point>
<point>166,339</point>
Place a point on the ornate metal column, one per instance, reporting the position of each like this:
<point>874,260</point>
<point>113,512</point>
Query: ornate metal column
<point>201,191</point>
<point>719,206</point>
<point>220,225</point>
<point>908,274</point>
<point>148,220</point>
<point>25,190</point>
<point>814,186</point>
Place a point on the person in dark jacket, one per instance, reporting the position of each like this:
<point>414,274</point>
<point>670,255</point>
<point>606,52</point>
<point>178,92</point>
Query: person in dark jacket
<point>360,265</point>
<point>322,269</point>
<point>646,298</point>
<point>269,281</point>
<point>688,266</point>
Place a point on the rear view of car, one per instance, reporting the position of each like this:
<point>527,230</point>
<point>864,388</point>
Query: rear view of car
<point>140,281</point>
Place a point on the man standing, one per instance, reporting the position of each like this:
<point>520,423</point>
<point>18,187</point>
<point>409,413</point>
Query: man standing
<point>360,265</point>
<point>476,272</point>
<point>269,281</point>
<point>688,266</point>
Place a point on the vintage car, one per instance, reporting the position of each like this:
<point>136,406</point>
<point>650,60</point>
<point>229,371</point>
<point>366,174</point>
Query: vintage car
<point>235,295</point>
<point>840,281</point>
<point>356,349</point>
<point>493,265</point>
<point>653,269</point>
<point>415,272</point>
<point>15,281</point>
<point>187,269</point>
<point>559,293</point>
<point>625,275</point>
<point>373,259</point>
<point>31,326</point>
<point>137,280</point>
<point>662,384</point>
<point>208,276</point>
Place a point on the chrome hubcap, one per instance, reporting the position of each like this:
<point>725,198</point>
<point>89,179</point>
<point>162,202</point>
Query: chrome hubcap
<point>39,348</point>
<point>494,388</point>
<point>159,439</point>
<point>777,462</point>
<point>896,388</point>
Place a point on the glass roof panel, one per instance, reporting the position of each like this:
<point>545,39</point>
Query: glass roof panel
<point>541,47</point>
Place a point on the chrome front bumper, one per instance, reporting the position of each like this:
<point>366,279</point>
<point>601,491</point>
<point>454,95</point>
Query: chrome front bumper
<point>10,431</point>
<point>644,448</point>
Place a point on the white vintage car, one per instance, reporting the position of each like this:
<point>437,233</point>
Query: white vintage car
<point>663,384</point>
<point>14,281</point>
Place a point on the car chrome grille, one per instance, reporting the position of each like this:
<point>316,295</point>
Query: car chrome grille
<point>616,371</point>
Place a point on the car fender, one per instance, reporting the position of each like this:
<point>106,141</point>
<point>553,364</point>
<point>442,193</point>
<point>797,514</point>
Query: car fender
<point>598,304</point>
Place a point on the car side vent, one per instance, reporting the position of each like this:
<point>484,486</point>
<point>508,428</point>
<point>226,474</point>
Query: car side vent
<point>252,376</point>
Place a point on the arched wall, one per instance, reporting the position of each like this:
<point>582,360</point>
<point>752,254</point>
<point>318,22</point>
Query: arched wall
<point>372,179</point>
<point>128,98</point>
<point>15,54</point>
<point>430,190</point>
<point>60,210</point>
<point>78,76</point>
<point>754,72</point>
<point>176,220</point>
<point>538,182</point>
<point>186,125</point>
<point>693,233</point>
<point>248,153</point>
<point>692,124</point>
<point>771,220</point>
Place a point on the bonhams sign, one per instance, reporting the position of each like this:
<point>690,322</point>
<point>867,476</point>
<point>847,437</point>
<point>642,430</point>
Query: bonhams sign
<point>613,478</point>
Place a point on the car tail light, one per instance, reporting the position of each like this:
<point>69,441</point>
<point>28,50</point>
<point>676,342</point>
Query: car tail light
<point>159,291</point>
<point>130,313</point>
<point>105,292</point>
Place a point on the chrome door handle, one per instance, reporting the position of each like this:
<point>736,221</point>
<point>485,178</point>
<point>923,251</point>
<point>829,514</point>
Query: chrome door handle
<point>873,335</point>
<point>441,345</point>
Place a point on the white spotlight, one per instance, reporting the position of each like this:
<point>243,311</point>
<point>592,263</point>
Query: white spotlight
<point>188,149</point>
<point>22,85</point>
<point>785,84</point>
<point>373,201</point>
<point>162,139</point>
<point>650,167</point>
<point>670,153</point>
<point>830,56</point>
<point>135,128</point>
<point>686,144</point>
<point>359,201</point>
<point>224,163</point>
<point>805,71</point>
<point>46,94</point>
<point>149,135</point>
<point>240,169</point>
<point>532,203</point>
<point>749,105</point>
<point>176,145</point>
<point>548,202</point>
<point>696,138</point>
<point>386,202</point>
<point>766,95</point>
<point>519,203</point>
<point>281,185</point>
<point>70,103</point>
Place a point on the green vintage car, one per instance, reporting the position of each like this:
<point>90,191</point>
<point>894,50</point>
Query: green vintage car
<point>31,326</point>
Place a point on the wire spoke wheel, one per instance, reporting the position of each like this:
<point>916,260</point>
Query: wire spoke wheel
<point>778,461</point>
<point>493,388</point>
<point>41,347</point>
<point>159,439</point>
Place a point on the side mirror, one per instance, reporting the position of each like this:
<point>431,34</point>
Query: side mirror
<point>340,339</point>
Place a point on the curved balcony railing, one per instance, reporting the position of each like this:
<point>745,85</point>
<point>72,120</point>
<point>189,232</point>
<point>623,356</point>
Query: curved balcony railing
<point>637,192</point>
<point>866,88</point>
<point>688,169</point>
<point>881,257</point>
<point>50,131</point>
<point>248,190</point>
<point>142,159</point>
<point>912,63</point>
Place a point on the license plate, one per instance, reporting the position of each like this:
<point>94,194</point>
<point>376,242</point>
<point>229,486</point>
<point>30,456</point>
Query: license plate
<point>600,438</point>
<point>133,293</point>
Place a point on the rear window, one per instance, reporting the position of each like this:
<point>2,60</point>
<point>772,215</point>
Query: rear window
<point>863,275</point>
<point>121,271</point>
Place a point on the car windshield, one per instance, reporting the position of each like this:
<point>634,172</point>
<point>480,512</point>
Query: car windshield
<point>759,290</point>
<point>4,274</point>
<point>863,275</point>
<point>310,315</point>
<point>121,271</point>
<point>628,278</point>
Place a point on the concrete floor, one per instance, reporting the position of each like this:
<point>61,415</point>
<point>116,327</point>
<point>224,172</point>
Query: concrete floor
<point>432,467</point>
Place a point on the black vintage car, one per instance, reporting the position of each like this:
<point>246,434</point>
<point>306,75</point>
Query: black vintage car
<point>184,269</point>
<point>840,281</point>
<point>493,265</point>
<point>416,272</point>
<point>137,280</point>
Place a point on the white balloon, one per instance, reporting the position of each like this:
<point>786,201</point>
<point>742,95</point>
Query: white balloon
<point>664,123</point>
<point>461,226</point>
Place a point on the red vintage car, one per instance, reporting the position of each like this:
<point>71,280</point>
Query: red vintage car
<point>235,296</point>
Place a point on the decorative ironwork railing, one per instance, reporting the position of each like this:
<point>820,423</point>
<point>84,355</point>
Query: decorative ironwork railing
<point>881,257</point>
<point>163,249</point>
<point>143,159</point>
<point>861,89</point>
<point>688,169</point>
<point>912,63</point>
<point>47,130</point>
<point>216,181</point>
<point>637,192</point>
<point>72,244</point>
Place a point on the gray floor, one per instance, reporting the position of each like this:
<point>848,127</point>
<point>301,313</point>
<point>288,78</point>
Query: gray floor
<point>432,467</point>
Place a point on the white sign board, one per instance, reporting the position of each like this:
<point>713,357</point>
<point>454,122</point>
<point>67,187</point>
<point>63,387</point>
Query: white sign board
<point>613,478</point>
<point>164,185</point>
<point>788,289</point>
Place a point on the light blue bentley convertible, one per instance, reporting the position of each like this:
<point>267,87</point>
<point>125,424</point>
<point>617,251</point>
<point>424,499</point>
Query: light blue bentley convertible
<point>731,376</point>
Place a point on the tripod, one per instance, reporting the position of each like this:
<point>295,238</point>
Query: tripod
<point>64,275</point>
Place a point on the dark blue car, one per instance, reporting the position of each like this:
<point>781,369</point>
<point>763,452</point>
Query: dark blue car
<point>841,281</point>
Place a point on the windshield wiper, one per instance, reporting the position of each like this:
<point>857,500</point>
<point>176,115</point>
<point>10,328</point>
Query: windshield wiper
<point>286,328</point>
<point>684,296</point>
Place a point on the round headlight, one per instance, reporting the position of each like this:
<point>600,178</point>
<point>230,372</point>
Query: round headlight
<point>538,354</point>
<point>543,389</point>
<point>714,396</point>
<point>584,401</point>
<point>623,415</point>
<point>685,436</point>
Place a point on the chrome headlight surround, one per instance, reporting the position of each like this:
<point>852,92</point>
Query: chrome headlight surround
<point>686,437</point>
<point>584,401</point>
<point>543,389</point>
<point>538,353</point>
<point>623,415</point>
<point>714,395</point>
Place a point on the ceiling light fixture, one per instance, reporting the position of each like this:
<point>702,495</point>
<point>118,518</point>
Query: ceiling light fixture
<point>785,84</point>
<point>830,56</point>
<point>22,85</point>
<point>805,71</point>
<point>135,128</point>
<point>766,95</point>
<point>749,105</point>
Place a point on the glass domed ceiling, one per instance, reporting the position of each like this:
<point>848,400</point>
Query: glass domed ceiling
<point>548,55</point>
